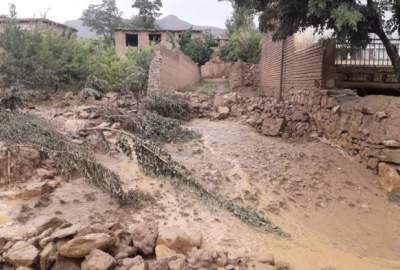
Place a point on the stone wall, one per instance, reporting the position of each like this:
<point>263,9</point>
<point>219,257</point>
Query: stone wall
<point>299,103</point>
<point>172,70</point>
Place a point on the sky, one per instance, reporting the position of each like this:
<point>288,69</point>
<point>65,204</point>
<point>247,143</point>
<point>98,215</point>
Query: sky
<point>198,12</point>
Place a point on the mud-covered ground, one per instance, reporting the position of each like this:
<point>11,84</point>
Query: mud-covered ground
<point>332,207</point>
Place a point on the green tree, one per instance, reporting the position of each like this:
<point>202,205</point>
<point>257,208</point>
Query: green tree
<point>103,18</point>
<point>199,49</point>
<point>243,37</point>
<point>352,21</point>
<point>149,11</point>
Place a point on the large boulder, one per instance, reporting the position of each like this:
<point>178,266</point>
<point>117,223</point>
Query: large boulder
<point>98,260</point>
<point>389,177</point>
<point>81,246</point>
<point>22,254</point>
<point>272,126</point>
<point>222,113</point>
<point>180,240</point>
<point>144,237</point>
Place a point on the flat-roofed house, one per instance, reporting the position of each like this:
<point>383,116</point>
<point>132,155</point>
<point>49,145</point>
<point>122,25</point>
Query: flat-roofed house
<point>126,38</point>
<point>38,24</point>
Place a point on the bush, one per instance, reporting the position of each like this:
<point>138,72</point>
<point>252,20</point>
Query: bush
<point>168,105</point>
<point>48,60</point>
<point>196,48</point>
<point>41,59</point>
<point>244,45</point>
<point>160,129</point>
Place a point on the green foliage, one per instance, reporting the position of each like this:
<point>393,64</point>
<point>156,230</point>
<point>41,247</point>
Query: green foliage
<point>149,11</point>
<point>47,60</point>
<point>244,41</point>
<point>152,126</point>
<point>244,45</point>
<point>168,105</point>
<point>103,18</point>
<point>41,59</point>
<point>198,49</point>
<point>394,197</point>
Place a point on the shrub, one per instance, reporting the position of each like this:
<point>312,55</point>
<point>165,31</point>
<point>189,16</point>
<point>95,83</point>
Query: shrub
<point>244,44</point>
<point>160,129</point>
<point>197,48</point>
<point>48,60</point>
<point>168,105</point>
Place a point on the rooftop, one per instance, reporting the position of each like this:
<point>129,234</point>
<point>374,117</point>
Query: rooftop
<point>122,29</point>
<point>39,20</point>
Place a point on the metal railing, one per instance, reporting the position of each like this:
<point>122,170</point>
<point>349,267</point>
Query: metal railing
<point>373,55</point>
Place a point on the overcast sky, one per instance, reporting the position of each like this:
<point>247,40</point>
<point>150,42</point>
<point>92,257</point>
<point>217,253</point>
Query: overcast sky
<point>198,12</point>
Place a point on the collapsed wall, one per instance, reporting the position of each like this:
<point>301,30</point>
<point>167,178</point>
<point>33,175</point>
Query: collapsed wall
<point>297,84</point>
<point>172,70</point>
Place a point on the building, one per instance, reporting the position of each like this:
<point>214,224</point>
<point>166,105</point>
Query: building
<point>126,38</point>
<point>39,24</point>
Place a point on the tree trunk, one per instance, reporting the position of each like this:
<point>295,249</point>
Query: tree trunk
<point>391,50</point>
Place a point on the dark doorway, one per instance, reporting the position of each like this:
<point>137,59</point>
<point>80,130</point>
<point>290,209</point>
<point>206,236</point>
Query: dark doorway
<point>132,40</point>
<point>155,38</point>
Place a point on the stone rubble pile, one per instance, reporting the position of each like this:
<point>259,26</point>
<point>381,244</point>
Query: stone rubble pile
<point>59,245</point>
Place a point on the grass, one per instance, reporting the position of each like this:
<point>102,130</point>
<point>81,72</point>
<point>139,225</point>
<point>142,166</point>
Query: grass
<point>210,87</point>
<point>394,197</point>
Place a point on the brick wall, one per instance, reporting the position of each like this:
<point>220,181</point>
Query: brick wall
<point>285,69</point>
<point>172,70</point>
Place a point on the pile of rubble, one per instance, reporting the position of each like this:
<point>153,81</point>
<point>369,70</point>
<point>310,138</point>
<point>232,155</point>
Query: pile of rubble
<point>269,117</point>
<point>59,245</point>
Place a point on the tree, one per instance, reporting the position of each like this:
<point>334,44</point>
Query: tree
<point>149,11</point>
<point>103,18</point>
<point>199,49</point>
<point>243,37</point>
<point>352,21</point>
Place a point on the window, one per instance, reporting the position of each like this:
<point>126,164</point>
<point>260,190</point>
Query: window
<point>132,40</point>
<point>155,38</point>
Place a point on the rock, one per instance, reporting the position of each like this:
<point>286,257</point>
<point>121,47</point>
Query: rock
<point>200,259</point>
<point>180,240</point>
<point>60,234</point>
<point>45,174</point>
<point>268,259</point>
<point>84,115</point>
<point>163,251</point>
<point>22,254</point>
<point>144,237</point>
<point>69,95</point>
<point>226,100</point>
<point>160,264</point>
<point>372,163</point>
<point>178,264</point>
<point>63,263</point>
<point>81,246</point>
<point>282,266</point>
<point>116,126</point>
<point>222,113</point>
<point>98,260</point>
<point>380,115</point>
<point>136,263</point>
<point>272,127</point>
<point>391,143</point>
<point>262,266</point>
<point>47,256</point>
<point>392,156</point>
<point>52,223</point>
<point>34,189</point>
<point>389,177</point>
<point>23,268</point>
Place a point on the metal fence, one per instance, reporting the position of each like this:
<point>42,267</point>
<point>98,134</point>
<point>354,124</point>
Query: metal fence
<point>373,55</point>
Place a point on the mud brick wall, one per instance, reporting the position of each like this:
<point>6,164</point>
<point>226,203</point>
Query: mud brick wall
<point>285,69</point>
<point>244,75</point>
<point>172,70</point>
<point>216,68</point>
